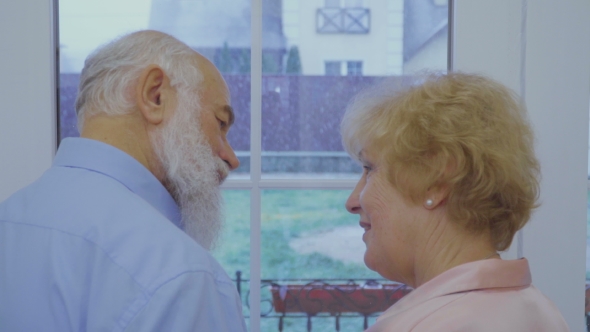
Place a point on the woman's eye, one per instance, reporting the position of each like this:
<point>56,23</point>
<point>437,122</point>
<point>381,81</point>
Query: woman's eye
<point>367,169</point>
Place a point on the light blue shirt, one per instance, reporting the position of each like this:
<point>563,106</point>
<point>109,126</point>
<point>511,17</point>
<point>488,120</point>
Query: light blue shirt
<point>95,245</point>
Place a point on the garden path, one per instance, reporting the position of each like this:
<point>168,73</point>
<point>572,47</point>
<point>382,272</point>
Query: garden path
<point>340,243</point>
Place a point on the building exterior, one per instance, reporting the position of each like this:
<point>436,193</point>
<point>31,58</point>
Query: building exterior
<point>425,35</point>
<point>220,30</point>
<point>342,37</point>
<point>367,37</point>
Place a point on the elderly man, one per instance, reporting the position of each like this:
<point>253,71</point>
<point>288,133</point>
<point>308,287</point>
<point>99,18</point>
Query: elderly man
<point>100,241</point>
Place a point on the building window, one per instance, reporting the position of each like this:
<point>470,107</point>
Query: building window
<point>348,20</point>
<point>354,68</point>
<point>333,68</point>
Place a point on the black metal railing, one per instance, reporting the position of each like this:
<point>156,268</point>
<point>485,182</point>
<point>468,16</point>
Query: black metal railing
<point>343,20</point>
<point>324,299</point>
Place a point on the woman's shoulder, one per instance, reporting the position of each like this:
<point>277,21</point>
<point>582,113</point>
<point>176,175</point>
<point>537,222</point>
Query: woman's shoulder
<point>509,309</point>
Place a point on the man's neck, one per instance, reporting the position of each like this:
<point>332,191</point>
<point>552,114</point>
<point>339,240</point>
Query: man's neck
<point>125,133</point>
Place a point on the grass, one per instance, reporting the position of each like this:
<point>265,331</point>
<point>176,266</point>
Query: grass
<point>288,214</point>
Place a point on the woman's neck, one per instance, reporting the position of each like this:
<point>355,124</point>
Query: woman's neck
<point>445,246</point>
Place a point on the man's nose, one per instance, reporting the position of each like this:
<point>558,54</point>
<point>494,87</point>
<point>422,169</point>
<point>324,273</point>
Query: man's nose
<point>230,158</point>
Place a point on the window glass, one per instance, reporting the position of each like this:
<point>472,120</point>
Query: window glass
<point>354,68</point>
<point>233,251</point>
<point>309,238</point>
<point>302,107</point>
<point>316,55</point>
<point>225,40</point>
<point>84,25</point>
<point>332,68</point>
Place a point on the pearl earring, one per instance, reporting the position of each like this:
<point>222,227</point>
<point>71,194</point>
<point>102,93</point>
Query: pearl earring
<point>429,202</point>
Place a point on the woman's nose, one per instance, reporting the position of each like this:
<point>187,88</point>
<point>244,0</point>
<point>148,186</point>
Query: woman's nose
<point>352,203</point>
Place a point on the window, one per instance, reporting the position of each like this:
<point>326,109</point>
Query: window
<point>286,201</point>
<point>349,20</point>
<point>333,68</point>
<point>354,68</point>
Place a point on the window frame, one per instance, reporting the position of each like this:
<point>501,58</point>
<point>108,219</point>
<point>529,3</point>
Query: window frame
<point>327,63</point>
<point>257,183</point>
<point>483,41</point>
<point>354,68</point>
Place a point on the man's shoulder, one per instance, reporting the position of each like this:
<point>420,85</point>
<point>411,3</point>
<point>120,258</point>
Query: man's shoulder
<point>79,203</point>
<point>64,193</point>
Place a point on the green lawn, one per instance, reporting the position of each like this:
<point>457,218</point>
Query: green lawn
<point>287,214</point>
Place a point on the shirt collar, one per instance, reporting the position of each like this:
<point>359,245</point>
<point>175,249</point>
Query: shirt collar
<point>112,162</point>
<point>483,274</point>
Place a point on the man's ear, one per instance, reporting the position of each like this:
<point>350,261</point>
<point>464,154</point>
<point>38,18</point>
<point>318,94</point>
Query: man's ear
<point>151,93</point>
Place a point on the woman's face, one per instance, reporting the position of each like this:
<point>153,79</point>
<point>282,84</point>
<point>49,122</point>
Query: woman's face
<point>391,222</point>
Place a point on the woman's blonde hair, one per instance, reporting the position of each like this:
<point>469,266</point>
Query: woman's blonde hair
<point>463,133</point>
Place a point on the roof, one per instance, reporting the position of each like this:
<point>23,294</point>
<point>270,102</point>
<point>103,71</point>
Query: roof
<point>423,20</point>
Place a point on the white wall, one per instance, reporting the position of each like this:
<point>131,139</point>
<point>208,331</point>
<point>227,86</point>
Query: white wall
<point>557,93</point>
<point>27,91</point>
<point>541,49</point>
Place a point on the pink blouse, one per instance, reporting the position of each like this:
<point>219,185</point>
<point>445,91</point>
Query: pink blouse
<point>485,296</point>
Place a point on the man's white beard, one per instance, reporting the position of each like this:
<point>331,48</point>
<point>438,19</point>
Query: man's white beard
<point>192,172</point>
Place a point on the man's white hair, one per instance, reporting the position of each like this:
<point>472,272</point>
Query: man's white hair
<point>110,72</point>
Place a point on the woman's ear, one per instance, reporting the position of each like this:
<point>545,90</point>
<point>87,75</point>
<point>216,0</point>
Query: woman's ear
<point>151,91</point>
<point>435,196</point>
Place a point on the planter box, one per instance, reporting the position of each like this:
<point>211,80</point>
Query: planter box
<point>317,298</point>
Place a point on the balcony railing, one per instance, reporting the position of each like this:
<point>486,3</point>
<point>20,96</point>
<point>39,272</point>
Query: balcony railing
<point>333,299</point>
<point>325,299</point>
<point>343,20</point>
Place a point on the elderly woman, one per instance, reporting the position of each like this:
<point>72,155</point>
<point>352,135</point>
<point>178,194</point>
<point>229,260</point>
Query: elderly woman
<point>449,177</point>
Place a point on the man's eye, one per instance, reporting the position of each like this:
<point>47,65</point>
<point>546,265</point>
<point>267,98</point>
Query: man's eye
<point>222,124</point>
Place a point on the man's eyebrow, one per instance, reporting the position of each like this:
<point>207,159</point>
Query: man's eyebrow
<point>230,112</point>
